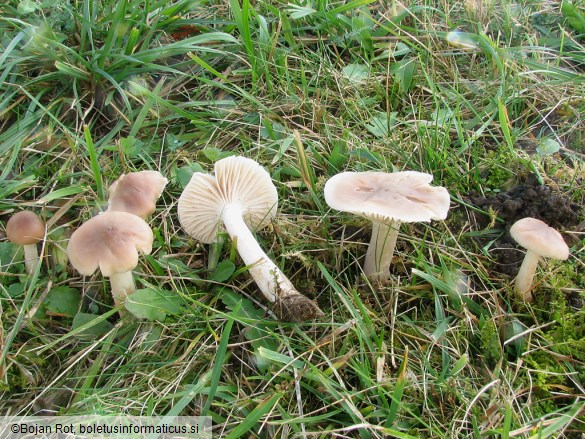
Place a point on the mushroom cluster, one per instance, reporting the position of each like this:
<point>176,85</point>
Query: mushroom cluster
<point>240,198</point>
<point>112,240</point>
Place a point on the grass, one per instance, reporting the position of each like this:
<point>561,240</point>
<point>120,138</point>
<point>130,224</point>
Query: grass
<point>89,90</point>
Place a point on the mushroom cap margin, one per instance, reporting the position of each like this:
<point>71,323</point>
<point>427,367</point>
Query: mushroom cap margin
<point>136,192</point>
<point>25,228</point>
<point>238,180</point>
<point>538,237</point>
<point>110,241</point>
<point>381,196</point>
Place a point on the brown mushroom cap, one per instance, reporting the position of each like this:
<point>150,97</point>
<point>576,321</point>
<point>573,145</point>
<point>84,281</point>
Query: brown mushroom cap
<point>537,236</point>
<point>136,192</point>
<point>25,228</point>
<point>238,180</point>
<point>110,241</point>
<point>399,196</point>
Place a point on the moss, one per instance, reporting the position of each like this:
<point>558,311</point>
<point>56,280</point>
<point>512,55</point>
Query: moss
<point>546,370</point>
<point>490,345</point>
<point>500,169</point>
<point>567,335</point>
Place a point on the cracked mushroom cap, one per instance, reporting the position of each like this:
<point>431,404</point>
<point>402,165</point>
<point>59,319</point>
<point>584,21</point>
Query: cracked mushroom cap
<point>136,192</point>
<point>25,228</point>
<point>537,236</point>
<point>110,241</point>
<point>399,196</point>
<point>237,180</point>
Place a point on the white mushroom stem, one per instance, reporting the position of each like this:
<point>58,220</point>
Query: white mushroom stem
<point>31,258</point>
<point>271,281</point>
<point>381,250</point>
<point>523,282</point>
<point>122,285</point>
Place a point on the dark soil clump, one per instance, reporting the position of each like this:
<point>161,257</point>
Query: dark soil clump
<point>528,200</point>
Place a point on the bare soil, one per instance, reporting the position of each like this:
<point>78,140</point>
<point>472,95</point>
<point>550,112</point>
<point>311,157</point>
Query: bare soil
<point>526,200</point>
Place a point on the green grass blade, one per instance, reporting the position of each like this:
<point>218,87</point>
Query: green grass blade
<point>398,391</point>
<point>114,33</point>
<point>94,163</point>
<point>150,101</point>
<point>255,415</point>
<point>561,422</point>
<point>190,392</point>
<point>220,358</point>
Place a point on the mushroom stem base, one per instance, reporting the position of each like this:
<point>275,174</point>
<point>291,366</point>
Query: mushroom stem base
<point>274,285</point>
<point>122,285</point>
<point>381,250</point>
<point>523,281</point>
<point>296,308</point>
<point>31,258</point>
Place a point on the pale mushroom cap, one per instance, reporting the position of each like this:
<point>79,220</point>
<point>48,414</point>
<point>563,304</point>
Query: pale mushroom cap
<point>399,196</point>
<point>200,207</point>
<point>537,236</point>
<point>110,241</point>
<point>25,228</point>
<point>237,180</point>
<point>136,192</point>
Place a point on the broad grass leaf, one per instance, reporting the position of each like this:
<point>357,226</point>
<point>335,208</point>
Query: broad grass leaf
<point>403,72</point>
<point>515,339</point>
<point>380,124</point>
<point>10,256</point>
<point>98,329</point>
<point>223,271</point>
<point>548,146</point>
<point>62,301</point>
<point>296,12</point>
<point>356,72</point>
<point>574,16</point>
<point>183,174</point>
<point>153,304</point>
<point>215,154</point>
<point>27,6</point>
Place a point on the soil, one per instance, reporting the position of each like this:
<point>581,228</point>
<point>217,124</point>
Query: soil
<point>527,200</point>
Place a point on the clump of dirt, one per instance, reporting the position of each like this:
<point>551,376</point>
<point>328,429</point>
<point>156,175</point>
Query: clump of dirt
<point>527,200</point>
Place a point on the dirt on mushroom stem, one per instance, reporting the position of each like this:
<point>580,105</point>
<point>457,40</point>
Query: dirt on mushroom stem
<point>296,308</point>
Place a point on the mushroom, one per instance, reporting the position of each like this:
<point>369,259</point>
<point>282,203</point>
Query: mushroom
<point>241,196</point>
<point>387,199</point>
<point>111,241</point>
<point>136,192</point>
<point>27,229</point>
<point>539,240</point>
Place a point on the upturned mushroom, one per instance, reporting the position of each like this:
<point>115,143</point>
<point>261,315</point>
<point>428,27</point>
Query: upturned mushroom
<point>27,229</point>
<point>386,199</point>
<point>111,242</point>
<point>136,193</point>
<point>241,197</point>
<point>540,241</point>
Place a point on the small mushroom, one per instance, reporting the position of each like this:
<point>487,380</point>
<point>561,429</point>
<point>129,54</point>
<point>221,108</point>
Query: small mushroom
<point>539,240</point>
<point>387,199</point>
<point>241,196</point>
<point>111,241</point>
<point>27,229</point>
<point>136,193</point>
